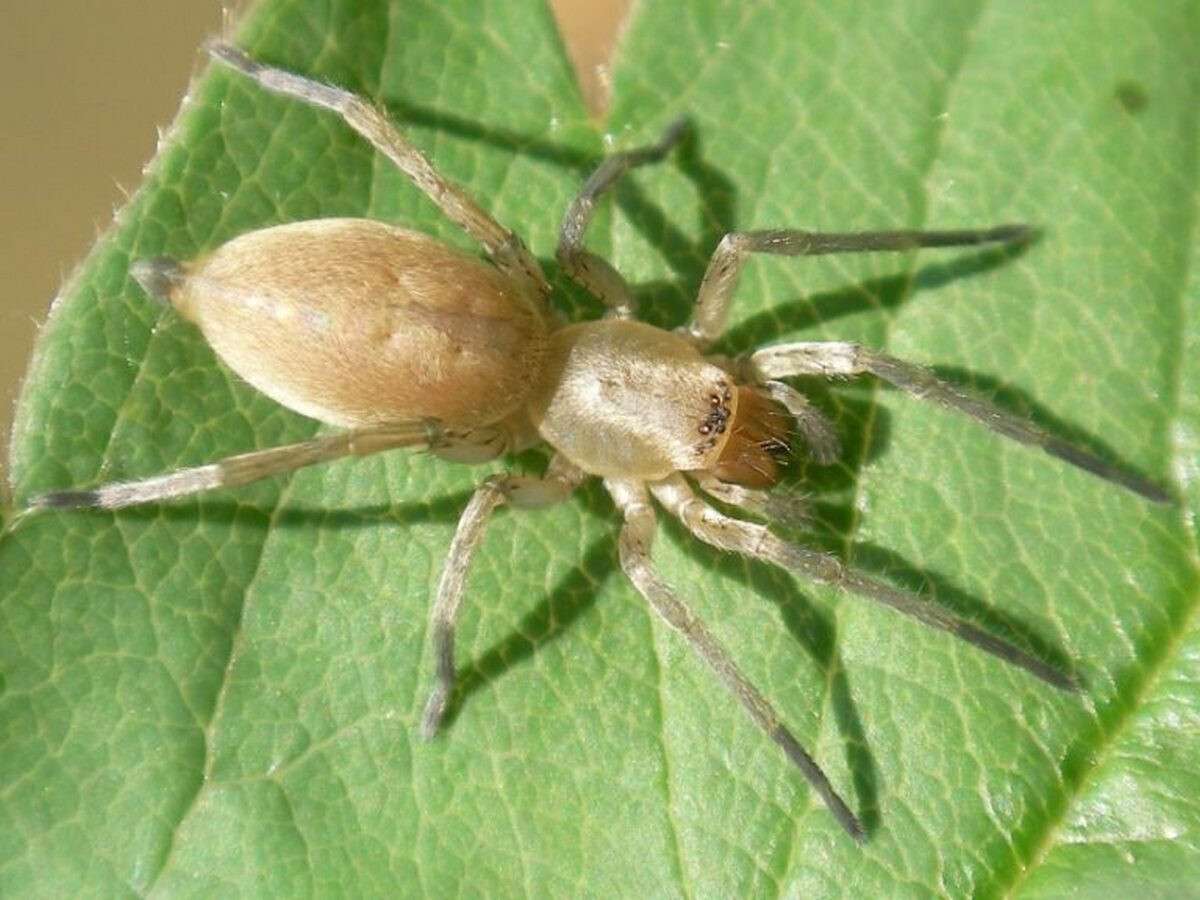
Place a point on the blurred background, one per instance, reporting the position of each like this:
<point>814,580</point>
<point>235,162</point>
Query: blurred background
<point>83,96</point>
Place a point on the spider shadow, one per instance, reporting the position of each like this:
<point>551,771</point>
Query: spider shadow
<point>668,302</point>
<point>876,294</point>
<point>218,510</point>
<point>886,563</point>
<point>812,630</point>
<point>686,257</point>
<point>1020,403</point>
<point>832,522</point>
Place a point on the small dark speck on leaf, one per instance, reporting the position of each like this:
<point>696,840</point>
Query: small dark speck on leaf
<point>1132,97</point>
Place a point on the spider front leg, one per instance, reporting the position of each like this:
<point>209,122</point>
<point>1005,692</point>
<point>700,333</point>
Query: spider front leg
<point>505,248</point>
<point>721,277</point>
<point>556,485</point>
<point>595,274</point>
<point>787,507</point>
<point>842,359</point>
<point>812,424</point>
<point>637,535</point>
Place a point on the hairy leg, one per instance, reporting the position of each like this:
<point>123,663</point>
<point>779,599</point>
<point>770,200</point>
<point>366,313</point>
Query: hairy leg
<point>814,426</point>
<point>247,467</point>
<point>555,486</point>
<point>720,280</point>
<point>593,273</point>
<point>636,537</point>
<point>778,505</point>
<point>456,204</point>
<point>838,359</point>
<point>751,539</point>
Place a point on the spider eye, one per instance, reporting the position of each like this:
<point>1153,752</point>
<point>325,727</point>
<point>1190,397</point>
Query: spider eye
<point>718,416</point>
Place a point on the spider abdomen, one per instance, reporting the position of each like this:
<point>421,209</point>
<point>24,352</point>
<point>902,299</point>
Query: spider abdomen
<point>355,322</point>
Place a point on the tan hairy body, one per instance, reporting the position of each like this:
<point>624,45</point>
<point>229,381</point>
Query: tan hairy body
<point>358,323</point>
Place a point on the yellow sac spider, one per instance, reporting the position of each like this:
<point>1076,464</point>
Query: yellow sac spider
<point>405,342</point>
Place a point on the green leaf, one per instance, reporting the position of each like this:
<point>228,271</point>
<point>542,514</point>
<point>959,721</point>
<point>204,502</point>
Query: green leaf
<point>220,696</point>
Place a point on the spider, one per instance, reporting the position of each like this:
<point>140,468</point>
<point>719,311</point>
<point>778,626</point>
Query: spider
<point>402,341</point>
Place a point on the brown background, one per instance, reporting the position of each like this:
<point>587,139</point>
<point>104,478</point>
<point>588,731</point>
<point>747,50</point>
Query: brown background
<point>82,97</point>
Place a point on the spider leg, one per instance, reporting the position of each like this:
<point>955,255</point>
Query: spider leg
<point>248,467</point>
<point>637,535</point>
<point>841,359</point>
<point>595,274</point>
<point>505,248</point>
<point>721,277</point>
<point>474,445</point>
<point>778,505</point>
<point>814,426</point>
<point>556,485</point>
<point>751,539</point>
